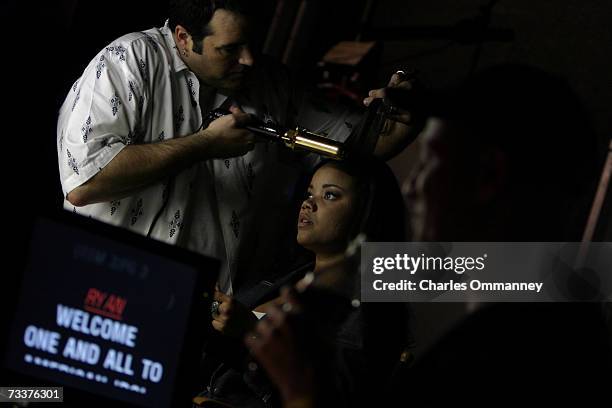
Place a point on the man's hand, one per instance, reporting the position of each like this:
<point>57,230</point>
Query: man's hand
<point>402,127</point>
<point>397,81</point>
<point>233,318</point>
<point>227,137</point>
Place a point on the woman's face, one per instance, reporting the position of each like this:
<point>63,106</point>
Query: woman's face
<point>326,216</point>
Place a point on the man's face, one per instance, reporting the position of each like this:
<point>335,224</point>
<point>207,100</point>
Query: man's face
<point>226,57</point>
<point>437,192</point>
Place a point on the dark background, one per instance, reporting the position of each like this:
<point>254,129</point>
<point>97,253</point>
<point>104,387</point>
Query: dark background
<point>47,45</point>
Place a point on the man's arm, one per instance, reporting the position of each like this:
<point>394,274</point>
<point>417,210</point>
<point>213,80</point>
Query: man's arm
<point>138,166</point>
<point>395,137</point>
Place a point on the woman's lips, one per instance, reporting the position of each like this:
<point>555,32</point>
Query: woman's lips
<point>304,220</point>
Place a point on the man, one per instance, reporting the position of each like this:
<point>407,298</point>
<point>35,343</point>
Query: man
<point>133,152</point>
<point>510,157</point>
<point>495,161</point>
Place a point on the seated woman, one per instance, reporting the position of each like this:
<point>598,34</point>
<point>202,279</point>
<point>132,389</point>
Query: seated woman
<point>357,344</point>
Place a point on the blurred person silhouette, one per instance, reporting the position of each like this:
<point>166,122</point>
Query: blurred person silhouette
<point>511,156</point>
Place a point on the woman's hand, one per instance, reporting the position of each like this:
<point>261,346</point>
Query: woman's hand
<point>232,318</point>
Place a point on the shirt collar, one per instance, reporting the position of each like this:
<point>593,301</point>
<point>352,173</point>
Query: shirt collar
<point>177,63</point>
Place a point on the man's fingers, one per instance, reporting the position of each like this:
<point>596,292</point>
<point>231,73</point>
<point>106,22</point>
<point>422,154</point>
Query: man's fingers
<point>221,318</point>
<point>403,81</point>
<point>236,110</point>
<point>400,81</point>
<point>395,80</point>
<point>225,307</point>
<point>374,94</point>
<point>291,298</point>
<point>242,118</point>
<point>377,93</point>
<point>408,74</point>
<point>222,297</point>
<point>401,85</point>
<point>219,326</point>
<point>404,85</point>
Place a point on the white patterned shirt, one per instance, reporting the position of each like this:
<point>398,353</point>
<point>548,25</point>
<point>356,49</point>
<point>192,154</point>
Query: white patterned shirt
<point>138,90</point>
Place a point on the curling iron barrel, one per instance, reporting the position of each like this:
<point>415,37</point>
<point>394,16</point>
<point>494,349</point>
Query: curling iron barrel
<point>295,139</point>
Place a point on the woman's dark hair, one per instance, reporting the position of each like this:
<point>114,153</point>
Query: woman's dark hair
<point>195,15</point>
<point>380,211</point>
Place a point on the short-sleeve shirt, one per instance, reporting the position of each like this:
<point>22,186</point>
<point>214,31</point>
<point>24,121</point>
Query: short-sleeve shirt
<point>137,90</point>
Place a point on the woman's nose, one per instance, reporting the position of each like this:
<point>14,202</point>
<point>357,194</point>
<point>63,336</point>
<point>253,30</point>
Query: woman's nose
<point>310,204</point>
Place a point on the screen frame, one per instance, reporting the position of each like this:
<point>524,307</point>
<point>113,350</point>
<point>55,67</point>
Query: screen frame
<point>185,386</point>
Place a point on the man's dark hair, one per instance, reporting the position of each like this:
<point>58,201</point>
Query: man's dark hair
<point>195,15</point>
<point>541,125</point>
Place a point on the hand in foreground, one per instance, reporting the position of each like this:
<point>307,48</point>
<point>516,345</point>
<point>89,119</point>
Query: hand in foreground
<point>232,318</point>
<point>275,344</point>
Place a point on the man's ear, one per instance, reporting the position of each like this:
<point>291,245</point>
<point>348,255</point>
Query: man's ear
<point>183,39</point>
<point>493,178</point>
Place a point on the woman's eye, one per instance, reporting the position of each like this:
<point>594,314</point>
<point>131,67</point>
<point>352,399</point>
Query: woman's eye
<point>330,196</point>
<point>308,196</point>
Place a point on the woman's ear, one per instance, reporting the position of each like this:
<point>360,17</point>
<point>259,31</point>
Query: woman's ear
<point>493,175</point>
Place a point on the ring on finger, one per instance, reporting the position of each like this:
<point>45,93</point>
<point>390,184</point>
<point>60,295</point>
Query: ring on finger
<point>214,307</point>
<point>406,74</point>
<point>392,110</point>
